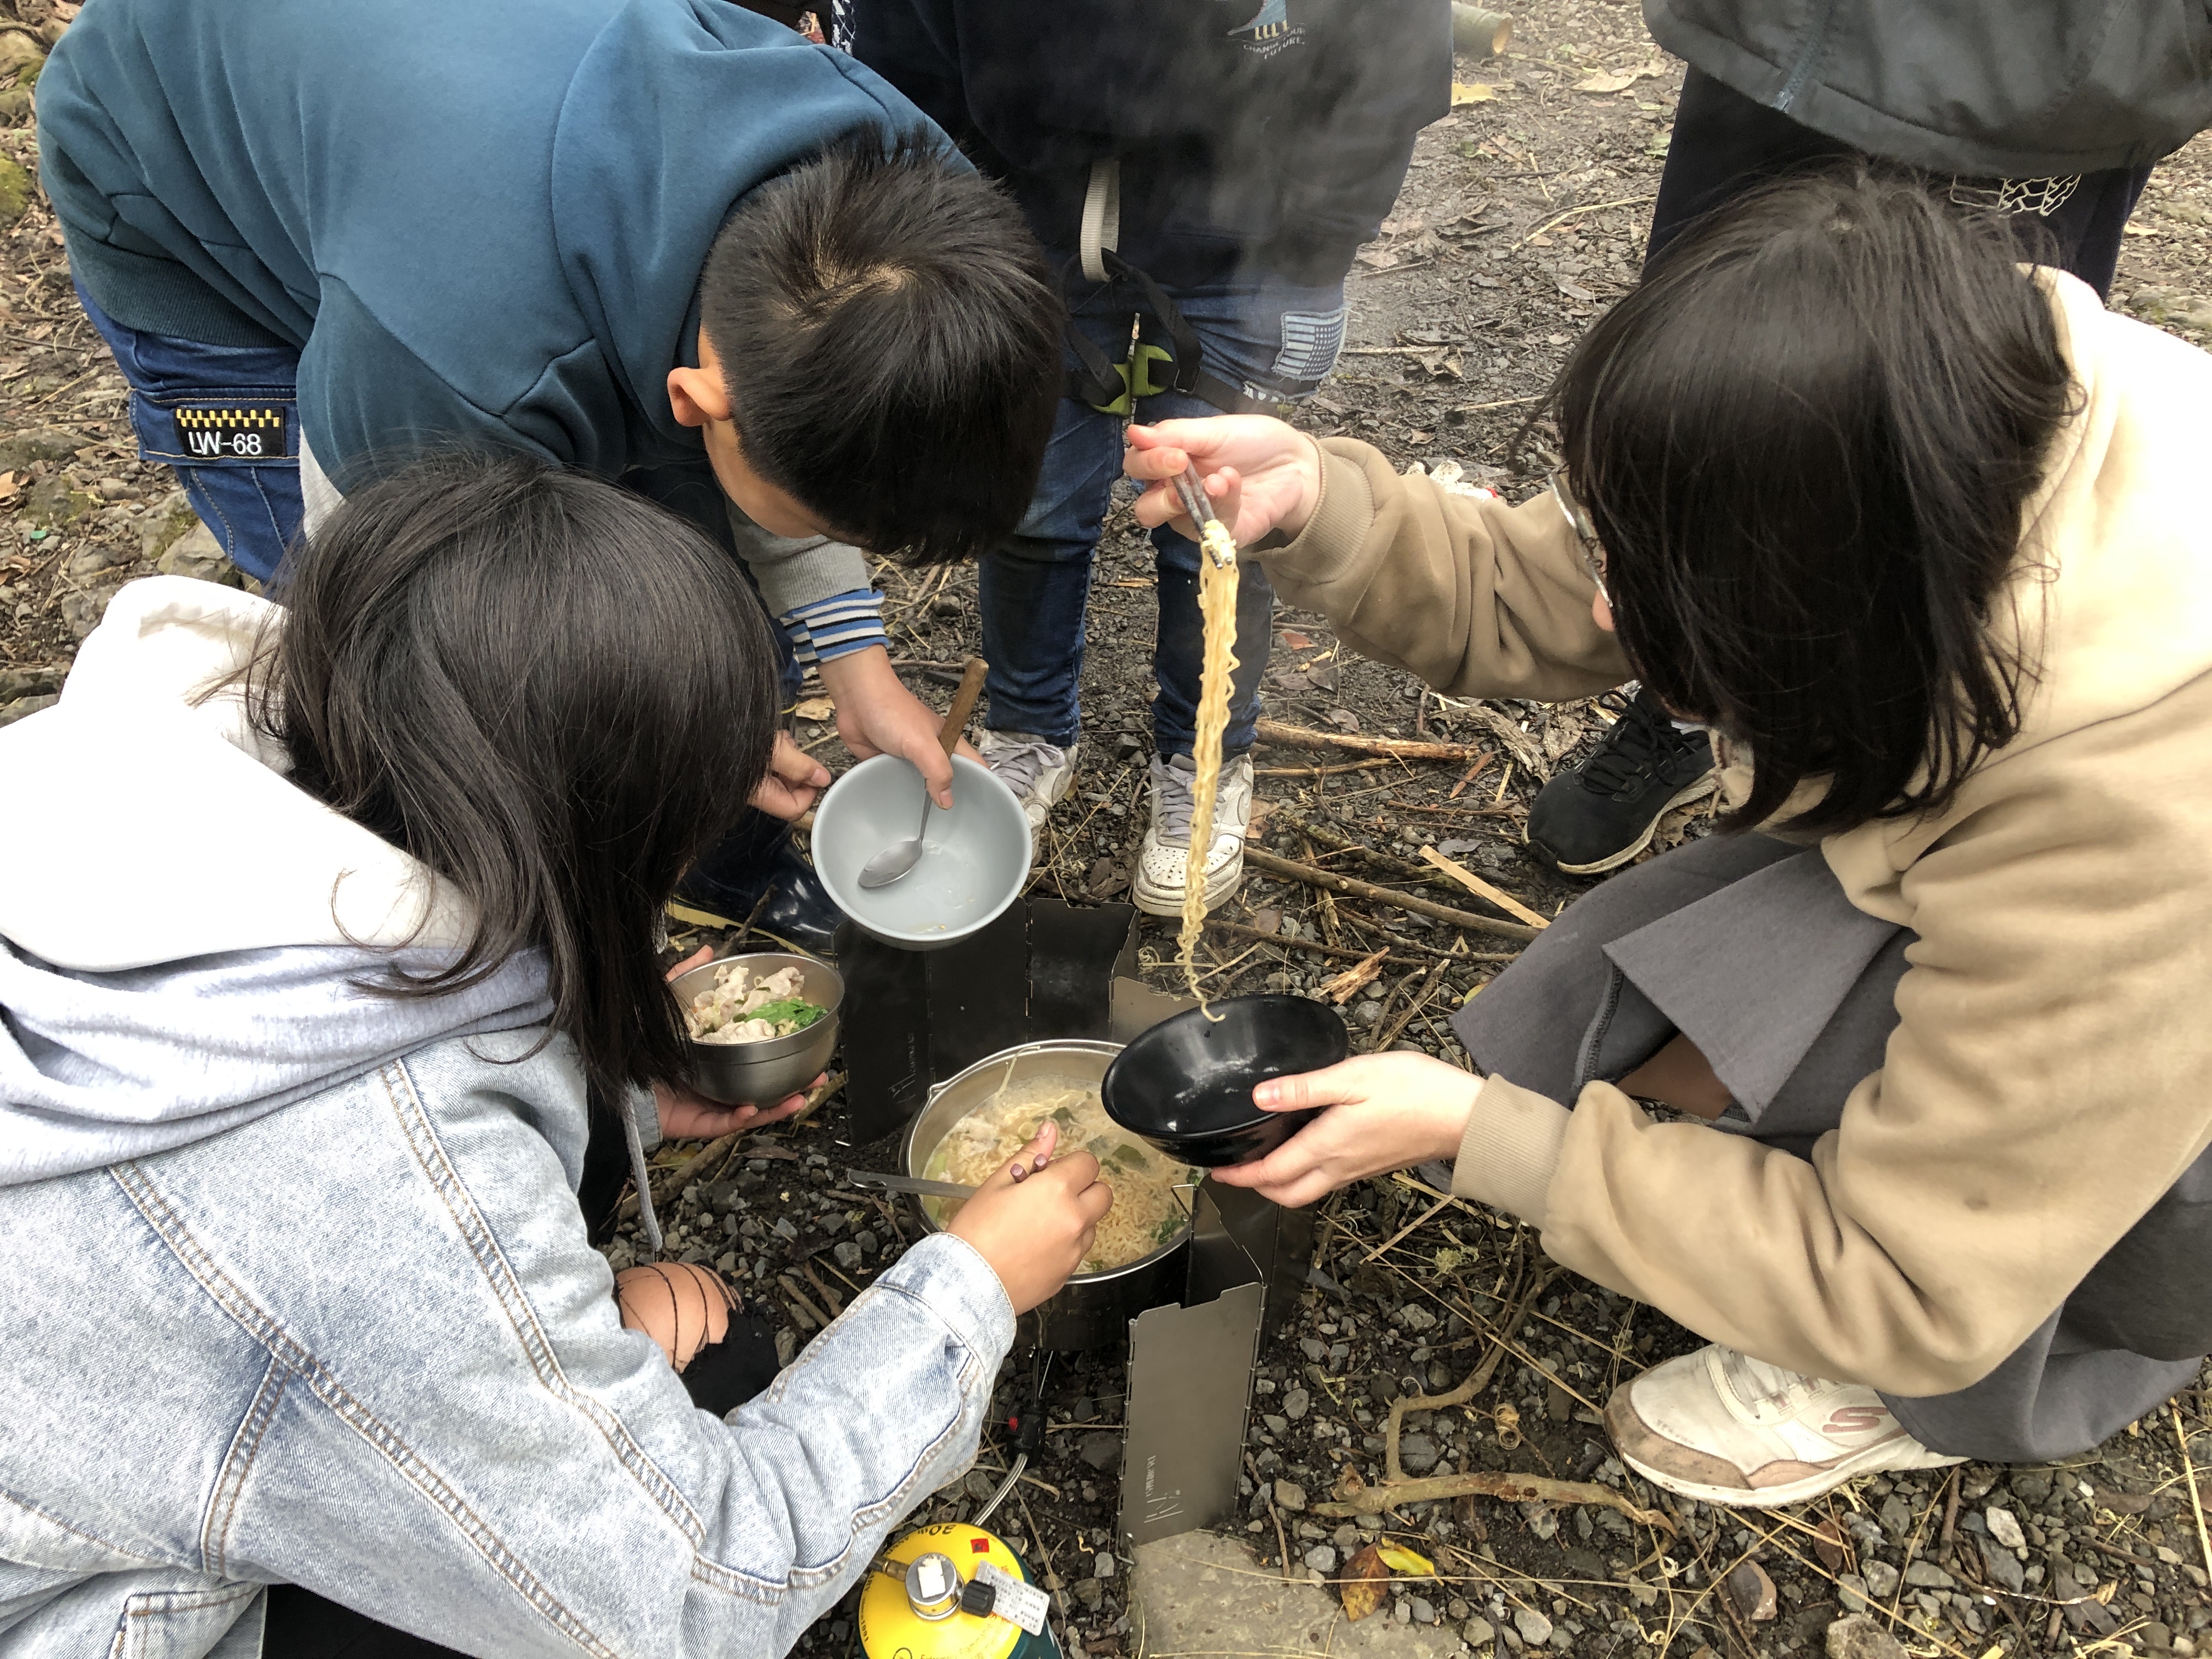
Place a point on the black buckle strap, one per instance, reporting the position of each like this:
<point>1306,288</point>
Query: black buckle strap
<point>1113,388</point>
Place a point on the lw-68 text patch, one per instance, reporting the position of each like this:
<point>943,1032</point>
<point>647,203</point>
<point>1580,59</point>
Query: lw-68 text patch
<point>231,432</point>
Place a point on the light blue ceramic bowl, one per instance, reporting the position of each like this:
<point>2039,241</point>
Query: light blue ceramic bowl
<point>974,859</point>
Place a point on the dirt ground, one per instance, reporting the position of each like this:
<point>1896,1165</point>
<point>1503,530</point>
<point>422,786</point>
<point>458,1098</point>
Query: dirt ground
<point>1523,215</point>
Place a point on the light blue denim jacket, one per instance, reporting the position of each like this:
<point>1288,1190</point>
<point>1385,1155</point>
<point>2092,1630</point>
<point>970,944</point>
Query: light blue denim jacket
<point>296,1288</point>
<point>360,1344</point>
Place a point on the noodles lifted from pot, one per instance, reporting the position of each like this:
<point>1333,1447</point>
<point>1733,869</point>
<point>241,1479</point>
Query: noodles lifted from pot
<point>1216,608</point>
<point>1146,1213</point>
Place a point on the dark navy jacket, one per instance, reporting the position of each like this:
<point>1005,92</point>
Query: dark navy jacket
<point>1268,133</point>
<point>479,220</point>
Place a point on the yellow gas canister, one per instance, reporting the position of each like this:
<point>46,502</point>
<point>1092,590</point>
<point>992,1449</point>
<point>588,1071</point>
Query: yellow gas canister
<point>953,1592</point>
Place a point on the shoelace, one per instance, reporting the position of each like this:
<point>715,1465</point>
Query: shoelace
<point>1175,786</point>
<point>1641,742</point>
<point>1754,1381</point>
<point>1018,765</point>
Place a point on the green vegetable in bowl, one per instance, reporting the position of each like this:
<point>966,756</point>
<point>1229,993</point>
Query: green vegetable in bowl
<point>798,1009</point>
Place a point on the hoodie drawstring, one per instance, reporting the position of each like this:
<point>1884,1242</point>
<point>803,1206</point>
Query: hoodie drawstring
<point>641,1175</point>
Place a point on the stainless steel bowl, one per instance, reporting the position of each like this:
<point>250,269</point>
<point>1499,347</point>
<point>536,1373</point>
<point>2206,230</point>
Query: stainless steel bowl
<point>1091,1309</point>
<point>763,1072</point>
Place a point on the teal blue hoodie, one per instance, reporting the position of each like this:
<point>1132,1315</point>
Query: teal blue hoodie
<point>479,220</point>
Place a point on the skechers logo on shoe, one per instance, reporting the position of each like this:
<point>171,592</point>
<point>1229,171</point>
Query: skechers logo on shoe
<point>1854,1419</point>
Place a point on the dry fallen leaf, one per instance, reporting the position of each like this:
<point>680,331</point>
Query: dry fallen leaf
<point>1828,1545</point>
<point>1471,92</point>
<point>1291,637</point>
<point>1608,81</point>
<point>1362,1586</point>
<point>1412,1562</point>
<point>815,708</point>
<point>1376,257</point>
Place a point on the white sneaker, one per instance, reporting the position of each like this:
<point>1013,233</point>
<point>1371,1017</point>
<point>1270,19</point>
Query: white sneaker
<point>1163,862</point>
<point>1039,772</point>
<point>1725,1428</point>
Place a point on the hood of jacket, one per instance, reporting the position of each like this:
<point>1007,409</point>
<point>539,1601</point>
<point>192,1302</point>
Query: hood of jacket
<point>187,941</point>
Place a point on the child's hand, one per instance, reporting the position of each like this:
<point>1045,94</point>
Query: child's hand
<point>1261,475</point>
<point>1386,1112</point>
<point>1034,1230</point>
<point>794,779</point>
<point>687,1116</point>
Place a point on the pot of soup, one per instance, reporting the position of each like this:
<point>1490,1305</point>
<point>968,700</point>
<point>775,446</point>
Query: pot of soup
<point>975,1122</point>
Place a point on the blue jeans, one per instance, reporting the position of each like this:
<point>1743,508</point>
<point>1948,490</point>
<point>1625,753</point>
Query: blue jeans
<point>1274,338</point>
<point>253,503</point>
<point>228,419</point>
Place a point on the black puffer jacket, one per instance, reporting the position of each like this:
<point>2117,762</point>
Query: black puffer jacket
<point>1993,88</point>
<point>1267,132</point>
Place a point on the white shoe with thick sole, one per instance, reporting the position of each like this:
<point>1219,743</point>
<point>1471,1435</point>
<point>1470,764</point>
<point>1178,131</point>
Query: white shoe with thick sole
<point>1038,772</point>
<point>1725,1428</point>
<point>1163,861</point>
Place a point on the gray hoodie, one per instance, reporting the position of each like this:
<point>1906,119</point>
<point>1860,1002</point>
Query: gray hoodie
<point>146,1001</point>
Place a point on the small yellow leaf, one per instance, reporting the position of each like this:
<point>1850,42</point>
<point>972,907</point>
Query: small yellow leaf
<point>815,708</point>
<point>1399,1559</point>
<point>1603,82</point>
<point>1471,92</point>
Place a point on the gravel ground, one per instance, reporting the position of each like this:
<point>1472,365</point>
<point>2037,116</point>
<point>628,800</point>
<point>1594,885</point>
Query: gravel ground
<point>1523,215</point>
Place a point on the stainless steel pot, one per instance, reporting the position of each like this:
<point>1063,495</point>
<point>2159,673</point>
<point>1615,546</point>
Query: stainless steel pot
<point>743,1073</point>
<point>1091,1309</point>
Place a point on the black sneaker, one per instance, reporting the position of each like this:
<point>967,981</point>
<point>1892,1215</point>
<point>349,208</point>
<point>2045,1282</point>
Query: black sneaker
<point>756,857</point>
<point>1602,814</point>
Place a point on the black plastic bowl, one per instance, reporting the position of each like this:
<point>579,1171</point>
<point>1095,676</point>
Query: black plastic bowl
<point>1186,1086</point>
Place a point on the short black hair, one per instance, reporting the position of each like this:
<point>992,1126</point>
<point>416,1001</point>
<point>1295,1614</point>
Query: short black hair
<point>1805,441</point>
<point>890,338</point>
<point>551,692</point>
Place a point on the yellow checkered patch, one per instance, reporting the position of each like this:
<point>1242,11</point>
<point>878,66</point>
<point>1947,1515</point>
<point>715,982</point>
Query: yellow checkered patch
<point>231,432</point>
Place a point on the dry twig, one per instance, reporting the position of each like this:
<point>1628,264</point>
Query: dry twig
<point>1260,859</point>
<point>1481,1483</point>
<point>1303,737</point>
<point>2188,1474</point>
<point>1475,884</point>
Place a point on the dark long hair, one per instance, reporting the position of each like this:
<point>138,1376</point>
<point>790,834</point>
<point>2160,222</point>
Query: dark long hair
<point>554,695</point>
<point>1805,441</point>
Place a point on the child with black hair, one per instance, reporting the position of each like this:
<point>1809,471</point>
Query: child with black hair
<point>1917,530</point>
<point>667,242</point>
<point>295,1145</point>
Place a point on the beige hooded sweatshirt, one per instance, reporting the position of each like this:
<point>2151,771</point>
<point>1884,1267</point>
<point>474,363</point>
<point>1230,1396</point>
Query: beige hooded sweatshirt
<point>2051,1074</point>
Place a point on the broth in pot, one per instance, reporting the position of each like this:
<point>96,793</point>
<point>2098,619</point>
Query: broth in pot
<point>1147,1213</point>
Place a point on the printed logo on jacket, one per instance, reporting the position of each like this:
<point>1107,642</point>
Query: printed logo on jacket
<point>1270,30</point>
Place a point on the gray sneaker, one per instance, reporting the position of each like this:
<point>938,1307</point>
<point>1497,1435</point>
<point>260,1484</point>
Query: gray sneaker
<point>1039,772</point>
<point>1163,861</point>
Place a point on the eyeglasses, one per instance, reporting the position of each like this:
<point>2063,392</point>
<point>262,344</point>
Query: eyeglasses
<point>1578,521</point>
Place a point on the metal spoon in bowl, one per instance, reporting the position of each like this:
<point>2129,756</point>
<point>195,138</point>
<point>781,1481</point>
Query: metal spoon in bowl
<point>901,856</point>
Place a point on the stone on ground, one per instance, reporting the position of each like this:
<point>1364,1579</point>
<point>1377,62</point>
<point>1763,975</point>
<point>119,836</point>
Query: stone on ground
<point>1861,1636</point>
<point>1200,1593</point>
